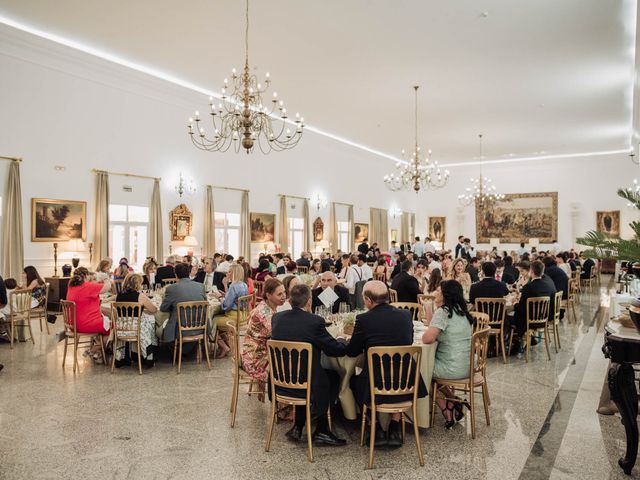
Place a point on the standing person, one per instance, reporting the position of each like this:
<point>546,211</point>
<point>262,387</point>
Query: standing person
<point>521,250</point>
<point>429,247</point>
<point>364,246</point>
<point>467,249</point>
<point>418,248</point>
<point>459,246</point>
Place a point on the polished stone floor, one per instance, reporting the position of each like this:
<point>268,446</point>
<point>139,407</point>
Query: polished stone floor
<point>94,424</point>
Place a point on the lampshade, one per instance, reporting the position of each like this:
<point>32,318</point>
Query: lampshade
<point>75,245</point>
<point>534,242</point>
<point>494,242</point>
<point>190,241</point>
<point>68,255</point>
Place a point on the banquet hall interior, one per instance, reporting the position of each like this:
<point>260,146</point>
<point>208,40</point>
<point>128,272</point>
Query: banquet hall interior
<point>283,239</point>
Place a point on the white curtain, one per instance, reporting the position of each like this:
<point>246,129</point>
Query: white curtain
<point>306,246</point>
<point>245,228</point>
<point>209,244</point>
<point>101,216</point>
<point>156,243</point>
<point>352,240</point>
<point>283,226</point>
<point>13,242</point>
<point>333,228</point>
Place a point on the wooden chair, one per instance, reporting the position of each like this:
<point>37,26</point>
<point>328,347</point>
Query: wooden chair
<point>481,321</point>
<point>557,305</point>
<point>569,304</point>
<point>290,368</point>
<point>537,320</point>
<point>423,300</point>
<point>20,313</point>
<point>168,281</point>
<point>414,308</point>
<point>40,311</point>
<point>126,318</point>
<point>380,276</point>
<point>496,309</point>
<point>70,331</point>
<point>240,377</point>
<point>192,318</point>
<point>116,286</point>
<point>258,289</point>
<point>476,379</point>
<point>577,274</point>
<point>302,270</point>
<point>393,296</point>
<point>387,359</point>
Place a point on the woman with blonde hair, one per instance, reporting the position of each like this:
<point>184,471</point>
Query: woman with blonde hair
<point>236,288</point>
<point>103,272</point>
<point>149,273</point>
<point>132,292</point>
<point>457,272</point>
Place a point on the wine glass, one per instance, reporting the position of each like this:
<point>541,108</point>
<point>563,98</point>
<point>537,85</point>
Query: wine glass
<point>344,308</point>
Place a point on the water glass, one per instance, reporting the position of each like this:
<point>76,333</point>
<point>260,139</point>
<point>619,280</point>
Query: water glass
<point>344,308</point>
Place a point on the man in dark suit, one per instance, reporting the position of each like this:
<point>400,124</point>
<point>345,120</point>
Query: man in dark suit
<point>537,287</point>
<point>510,269</point>
<point>382,325</point>
<point>501,275</point>
<point>300,325</point>
<point>205,276</point>
<point>406,284</point>
<point>167,270</point>
<point>472,269</point>
<point>488,287</point>
<point>303,261</point>
<point>587,265</point>
<point>397,268</point>
<point>328,280</point>
<point>557,276</point>
<point>364,246</point>
<point>459,246</point>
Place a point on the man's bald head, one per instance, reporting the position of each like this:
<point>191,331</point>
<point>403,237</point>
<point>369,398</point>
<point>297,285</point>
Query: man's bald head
<point>376,291</point>
<point>328,279</point>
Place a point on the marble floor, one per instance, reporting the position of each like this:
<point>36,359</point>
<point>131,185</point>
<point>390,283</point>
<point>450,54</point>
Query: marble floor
<point>94,424</point>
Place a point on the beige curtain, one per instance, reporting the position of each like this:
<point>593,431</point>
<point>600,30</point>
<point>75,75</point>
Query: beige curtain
<point>412,228</point>
<point>245,228</point>
<point>101,216</point>
<point>283,226</point>
<point>379,228</point>
<point>404,227</point>
<point>306,246</point>
<point>333,228</point>
<point>209,244</point>
<point>156,243</point>
<point>352,240</point>
<point>12,240</point>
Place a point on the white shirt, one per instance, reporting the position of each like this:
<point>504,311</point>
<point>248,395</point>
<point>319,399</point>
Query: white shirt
<point>521,251</point>
<point>208,281</point>
<point>433,265</point>
<point>418,249</point>
<point>566,268</point>
<point>355,274</point>
<point>224,267</point>
<point>429,248</point>
<point>284,307</point>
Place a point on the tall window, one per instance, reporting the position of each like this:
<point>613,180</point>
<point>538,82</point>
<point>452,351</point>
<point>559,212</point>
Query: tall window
<point>128,228</point>
<point>296,236</point>
<point>343,237</point>
<point>228,233</point>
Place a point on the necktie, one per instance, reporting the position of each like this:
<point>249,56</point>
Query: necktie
<point>206,279</point>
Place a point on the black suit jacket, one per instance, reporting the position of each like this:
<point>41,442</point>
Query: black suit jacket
<point>458,248</point>
<point>513,272</point>
<point>507,278</point>
<point>297,325</point>
<point>407,287</point>
<point>488,288</point>
<point>586,268</point>
<point>536,288</point>
<point>343,297</point>
<point>473,273</point>
<point>363,248</point>
<point>559,279</point>
<point>303,262</point>
<point>381,326</point>
<point>200,276</point>
<point>396,270</point>
<point>166,271</point>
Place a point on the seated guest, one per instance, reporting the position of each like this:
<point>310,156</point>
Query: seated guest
<point>254,349</point>
<point>316,267</point>
<point>435,263</point>
<point>367,272</point>
<point>458,273</point>
<point>132,292</point>
<point>472,269</point>
<point>381,267</point>
<point>573,261</point>
<point>103,271</point>
<point>344,266</point>
<point>434,280</point>
<point>184,290</point>
<point>291,268</point>
<point>149,273</point>
<point>382,325</point>
<point>89,317</point>
<point>6,287</point>
<point>451,327</point>
<point>561,261</point>
<point>524,270</point>
<point>397,268</point>
<point>420,272</point>
<point>205,276</point>
<point>447,263</point>
<point>326,261</point>
<point>225,265</point>
<point>406,284</point>
<point>236,288</point>
<point>488,287</point>
<point>536,288</point>
<point>288,283</point>
<point>262,272</point>
<point>587,265</point>
<point>510,270</point>
<point>31,279</point>
<point>557,276</point>
<point>328,280</point>
<point>300,325</point>
<point>247,277</point>
<point>280,264</point>
<point>303,261</point>
<point>122,270</point>
<point>167,270</point>
<point>501,275</point>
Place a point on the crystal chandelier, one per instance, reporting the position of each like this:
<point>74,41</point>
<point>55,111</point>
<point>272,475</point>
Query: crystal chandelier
<point>416,173</point>
<point>242,119</point>
<point>482,191</point>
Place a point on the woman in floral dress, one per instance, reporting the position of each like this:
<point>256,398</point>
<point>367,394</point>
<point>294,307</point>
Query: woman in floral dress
<point>254,351</point>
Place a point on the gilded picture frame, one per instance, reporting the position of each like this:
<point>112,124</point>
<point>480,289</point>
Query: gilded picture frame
<point>437,229</point>
<point>181,222</point>
<point>608,222</point>
<point>263,227</point>
<point>58,220</point>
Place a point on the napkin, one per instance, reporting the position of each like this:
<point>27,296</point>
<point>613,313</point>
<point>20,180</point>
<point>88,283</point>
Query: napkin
<point>328,297</point>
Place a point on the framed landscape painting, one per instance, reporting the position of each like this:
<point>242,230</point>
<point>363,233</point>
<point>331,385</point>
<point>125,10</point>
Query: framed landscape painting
<point>263,227</point>
<point>608,222</point>
<point>436,229</point>
<point>360,232</point>
<point>58,220</point>
<point>518,217</point>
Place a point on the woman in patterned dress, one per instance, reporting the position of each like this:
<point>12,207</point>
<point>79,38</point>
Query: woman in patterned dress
<point>254,351</point>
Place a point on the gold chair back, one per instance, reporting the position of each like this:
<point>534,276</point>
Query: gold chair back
<point>169,281</point>
<point>244,309</point>
<point>393,295</point>
<point>126,318</point>
<point>556,306</point>
<point>390,382</point>
<point>20,301</point>
<point>234,343</point>
<point>478,354</point>
<point>414,308</point>
<point>290,365</point>
<point>69,316</point>
<point>302,269</point>
<point>538,310</point>
<point>481,321</point>
<point>495,308</point>
<point>117,286</point>
<point>380,276</point>
<point>192,315</point>
<point>258,286</point>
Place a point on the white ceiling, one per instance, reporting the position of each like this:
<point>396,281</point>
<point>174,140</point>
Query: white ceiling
<point>534,76</point>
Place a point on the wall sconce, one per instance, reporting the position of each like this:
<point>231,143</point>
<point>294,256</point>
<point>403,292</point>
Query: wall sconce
<point>395,212</point>
<point>320,201</point>
<point>185,186</point>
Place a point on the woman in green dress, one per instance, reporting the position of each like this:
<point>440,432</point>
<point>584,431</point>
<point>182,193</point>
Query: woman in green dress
<point>451,327</point>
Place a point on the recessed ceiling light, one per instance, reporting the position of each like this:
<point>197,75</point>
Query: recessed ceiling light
<point>484,14</point>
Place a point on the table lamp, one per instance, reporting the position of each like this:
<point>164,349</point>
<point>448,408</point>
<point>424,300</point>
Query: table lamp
<point>190,242</point>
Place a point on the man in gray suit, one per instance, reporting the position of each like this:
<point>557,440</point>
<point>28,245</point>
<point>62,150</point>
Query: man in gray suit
<point>184,290</point>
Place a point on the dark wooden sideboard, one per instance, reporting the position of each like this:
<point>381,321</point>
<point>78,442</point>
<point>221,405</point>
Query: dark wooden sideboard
<point>57,292</point>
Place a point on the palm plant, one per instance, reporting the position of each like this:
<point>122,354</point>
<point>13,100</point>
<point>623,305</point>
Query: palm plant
<point>602,245</point>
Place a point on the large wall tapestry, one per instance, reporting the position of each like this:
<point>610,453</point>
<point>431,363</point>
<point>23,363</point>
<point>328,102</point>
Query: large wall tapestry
<point>436,229</point>
<point>608,222</point>
<point>518,217</point>
<point>58,220</point>
<point>263,227</point>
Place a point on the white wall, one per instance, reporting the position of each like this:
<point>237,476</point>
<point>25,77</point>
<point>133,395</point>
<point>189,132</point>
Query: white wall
<point>62,107</point>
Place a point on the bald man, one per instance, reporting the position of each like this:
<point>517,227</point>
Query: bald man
<point>328,280</point>
<point>382,325</point>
